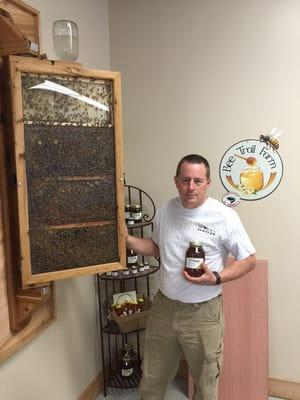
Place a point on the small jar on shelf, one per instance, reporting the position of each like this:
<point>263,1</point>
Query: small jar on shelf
<point>127,362</point>
<point>136,213</point>
<point>127,213</point>
<point>141,267</point>
<point>130,223</point>
<point>126,367</point>
<point>133,270</point>
<point>126,272</point>
<point>132,258</point>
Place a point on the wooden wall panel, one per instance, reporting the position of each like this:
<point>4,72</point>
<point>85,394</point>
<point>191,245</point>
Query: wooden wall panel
<point>25,18</point>
<point>23,313</point>
<point>245,370</point>
<point>284,389</point>
<point>4,315</point>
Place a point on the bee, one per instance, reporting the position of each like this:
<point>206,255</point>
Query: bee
<point>271,139</point>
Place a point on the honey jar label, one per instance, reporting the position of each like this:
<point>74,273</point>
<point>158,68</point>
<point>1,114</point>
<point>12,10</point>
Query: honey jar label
<point>127,372</point>
<point>136,215</point>
<point>132,259</point>
<point>193,263</point>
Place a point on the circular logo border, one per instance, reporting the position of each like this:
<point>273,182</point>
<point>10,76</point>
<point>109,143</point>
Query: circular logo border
<point>228,188</point>
<point>231,199</point>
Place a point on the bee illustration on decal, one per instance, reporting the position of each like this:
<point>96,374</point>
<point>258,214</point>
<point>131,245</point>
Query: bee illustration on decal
<point>271,139</point>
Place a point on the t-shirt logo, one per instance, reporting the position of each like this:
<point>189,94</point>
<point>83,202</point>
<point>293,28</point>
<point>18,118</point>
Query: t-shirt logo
<point>205,229</point>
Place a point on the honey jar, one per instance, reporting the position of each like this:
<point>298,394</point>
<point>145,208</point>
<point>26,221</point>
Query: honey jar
<point>136,213</point>
<point>132,258</point>
<point>194,259</point>
<point>127,212</point>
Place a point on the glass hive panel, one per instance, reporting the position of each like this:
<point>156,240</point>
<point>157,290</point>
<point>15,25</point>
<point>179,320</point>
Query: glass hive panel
<point>70,171</point>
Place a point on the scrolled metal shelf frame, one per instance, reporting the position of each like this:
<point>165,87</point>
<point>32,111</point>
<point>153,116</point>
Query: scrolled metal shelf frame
<point>110,355</point>
<point>141,196</point>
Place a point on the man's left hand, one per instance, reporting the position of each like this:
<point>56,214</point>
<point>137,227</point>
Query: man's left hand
<point>207,278</point>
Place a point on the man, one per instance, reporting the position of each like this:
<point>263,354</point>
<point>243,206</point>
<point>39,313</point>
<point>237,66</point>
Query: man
<point>186,318</point>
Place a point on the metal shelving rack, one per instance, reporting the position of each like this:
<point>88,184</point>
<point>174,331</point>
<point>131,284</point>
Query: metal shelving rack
<point>112,339</point>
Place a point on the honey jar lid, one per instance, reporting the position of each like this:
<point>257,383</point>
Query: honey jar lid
<point>196,243</point>
<point>136,207</point>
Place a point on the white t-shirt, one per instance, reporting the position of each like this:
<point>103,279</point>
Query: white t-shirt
<point>218,228</point>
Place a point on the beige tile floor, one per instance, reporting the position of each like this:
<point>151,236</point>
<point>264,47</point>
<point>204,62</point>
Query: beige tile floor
<point>176,391</point>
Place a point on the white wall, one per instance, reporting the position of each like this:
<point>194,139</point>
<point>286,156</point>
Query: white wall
<point>199,76</point>
<point>64,359</point>
<point>91,17</point>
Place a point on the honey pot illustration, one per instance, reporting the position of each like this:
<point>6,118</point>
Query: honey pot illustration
<point>251,177</point>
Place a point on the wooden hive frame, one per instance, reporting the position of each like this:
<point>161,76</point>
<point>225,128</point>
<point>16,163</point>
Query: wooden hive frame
<point>19,28</point>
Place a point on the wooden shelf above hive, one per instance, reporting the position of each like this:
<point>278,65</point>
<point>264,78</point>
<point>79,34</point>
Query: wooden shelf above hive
<point>19,28</point>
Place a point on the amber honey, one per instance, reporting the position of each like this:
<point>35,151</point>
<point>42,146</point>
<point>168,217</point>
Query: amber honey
<point>195,257</point>
<point>252,178</point>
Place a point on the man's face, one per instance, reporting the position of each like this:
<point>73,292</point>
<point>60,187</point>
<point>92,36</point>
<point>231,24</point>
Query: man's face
<point>192,184</point>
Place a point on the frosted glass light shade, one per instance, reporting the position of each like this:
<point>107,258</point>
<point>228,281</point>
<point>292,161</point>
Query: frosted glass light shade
<point>65,39</point>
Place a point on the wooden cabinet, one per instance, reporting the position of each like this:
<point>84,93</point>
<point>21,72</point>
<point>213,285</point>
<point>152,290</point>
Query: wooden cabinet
<point>65,159</point>
<point>245,371</point>
<point>61,175</point>
<point>19,28</point>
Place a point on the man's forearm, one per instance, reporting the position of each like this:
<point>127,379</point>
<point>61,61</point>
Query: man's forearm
<point>238,268</point>
<point>143,246</point>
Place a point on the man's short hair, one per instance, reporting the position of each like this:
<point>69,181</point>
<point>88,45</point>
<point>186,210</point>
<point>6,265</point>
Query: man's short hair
<point>194,159</point>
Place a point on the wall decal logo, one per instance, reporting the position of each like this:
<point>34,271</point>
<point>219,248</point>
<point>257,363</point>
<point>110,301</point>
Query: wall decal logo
<point>252,168</point>
<point>231,199</point>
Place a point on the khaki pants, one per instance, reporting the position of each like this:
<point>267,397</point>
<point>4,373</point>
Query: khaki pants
<point>176,329</point>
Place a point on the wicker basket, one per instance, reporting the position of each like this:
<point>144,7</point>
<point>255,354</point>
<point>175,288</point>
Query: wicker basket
<point>133,322</point>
